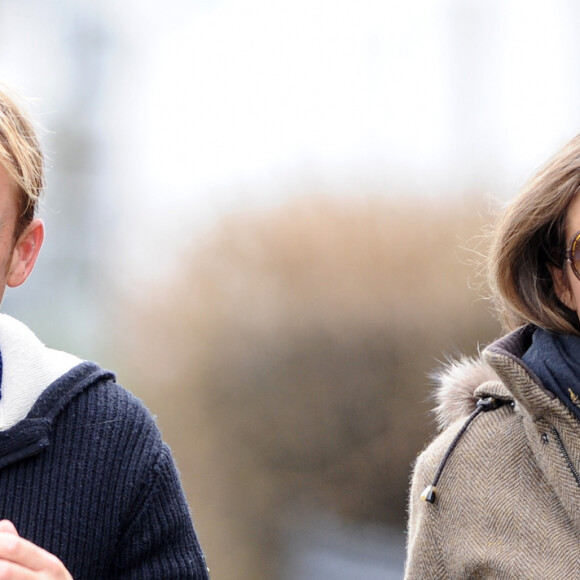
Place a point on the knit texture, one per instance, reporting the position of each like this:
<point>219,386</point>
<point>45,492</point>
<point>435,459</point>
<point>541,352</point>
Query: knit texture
<point>555,360</point>
<point>28,368</point>
<point>87,476</point>
<point>508,504</point>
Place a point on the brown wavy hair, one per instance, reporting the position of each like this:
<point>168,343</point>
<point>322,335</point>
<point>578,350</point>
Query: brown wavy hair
<point>529,238</point>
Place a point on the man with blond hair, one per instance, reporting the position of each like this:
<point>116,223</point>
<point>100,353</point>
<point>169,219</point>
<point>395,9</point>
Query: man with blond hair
<point>88,489</point>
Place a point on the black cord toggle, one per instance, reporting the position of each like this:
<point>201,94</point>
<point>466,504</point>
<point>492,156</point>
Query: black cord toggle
<point>482,406</point>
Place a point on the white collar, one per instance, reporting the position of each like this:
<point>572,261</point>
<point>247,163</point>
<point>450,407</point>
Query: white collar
<point>28,368</point>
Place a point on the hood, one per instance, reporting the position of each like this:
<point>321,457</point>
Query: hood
<point>465,388</point>
<point>28,368</point>
<point>33,433</point>
<point>460,384</point>
<point>38,384</point>
<point>469,386</point>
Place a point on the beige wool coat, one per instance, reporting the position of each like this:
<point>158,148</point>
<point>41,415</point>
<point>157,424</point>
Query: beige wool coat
<point>507,502</point>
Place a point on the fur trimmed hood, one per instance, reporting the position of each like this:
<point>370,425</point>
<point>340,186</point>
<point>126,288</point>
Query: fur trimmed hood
<point>460,384</point>
<point>507,469</point>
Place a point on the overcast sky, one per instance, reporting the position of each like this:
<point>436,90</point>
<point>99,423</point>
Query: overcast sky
<point>205,107</point>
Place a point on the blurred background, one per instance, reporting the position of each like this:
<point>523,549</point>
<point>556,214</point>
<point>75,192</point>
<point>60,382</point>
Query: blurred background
<point>267,217</point>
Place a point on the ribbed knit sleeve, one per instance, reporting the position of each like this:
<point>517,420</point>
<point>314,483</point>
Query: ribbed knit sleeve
<point>159,541</point>
<point>88,477</point>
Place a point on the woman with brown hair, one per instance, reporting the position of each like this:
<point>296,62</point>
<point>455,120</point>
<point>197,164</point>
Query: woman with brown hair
<point>497,493</point>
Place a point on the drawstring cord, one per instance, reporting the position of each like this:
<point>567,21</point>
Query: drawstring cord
<point>483,405</point>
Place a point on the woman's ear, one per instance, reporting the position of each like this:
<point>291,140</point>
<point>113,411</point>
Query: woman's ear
<point>562,286</point>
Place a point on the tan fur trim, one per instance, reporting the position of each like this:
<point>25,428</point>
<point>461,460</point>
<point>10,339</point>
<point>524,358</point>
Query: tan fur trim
<point>456,384</point>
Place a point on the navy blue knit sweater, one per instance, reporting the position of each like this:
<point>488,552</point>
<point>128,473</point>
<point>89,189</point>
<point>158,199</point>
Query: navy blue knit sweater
<point>86,476</point>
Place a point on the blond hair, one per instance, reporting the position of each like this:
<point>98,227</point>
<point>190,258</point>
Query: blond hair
<point>529,238</point>
<point>21,157</point>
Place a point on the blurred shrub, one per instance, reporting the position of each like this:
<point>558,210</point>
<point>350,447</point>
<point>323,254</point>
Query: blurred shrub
<point>289,359</point>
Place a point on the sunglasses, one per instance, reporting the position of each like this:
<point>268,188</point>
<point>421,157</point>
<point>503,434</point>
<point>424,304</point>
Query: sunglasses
<point>573,254</point>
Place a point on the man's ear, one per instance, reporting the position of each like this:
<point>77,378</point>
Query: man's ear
<point>562,286</point>
<point>25,252</point>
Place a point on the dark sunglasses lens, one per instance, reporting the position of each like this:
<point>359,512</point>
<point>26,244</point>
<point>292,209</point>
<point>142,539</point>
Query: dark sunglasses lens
<point>576,255</point>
